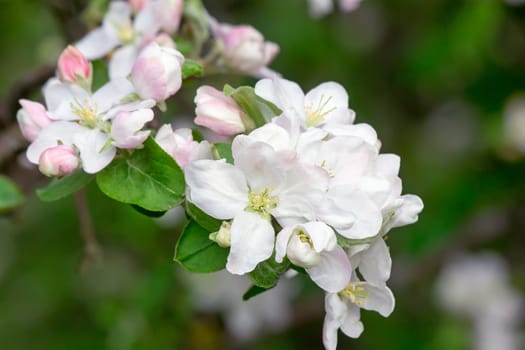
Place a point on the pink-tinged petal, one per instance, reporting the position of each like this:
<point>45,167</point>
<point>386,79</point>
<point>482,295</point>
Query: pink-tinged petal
<point>58,161</point>
<point>349,5</point>
<point>283,93</point>
<point>168,14</point>
<point>320,8</point>
<point>379,298</point>
<point>52,135</point>
<point>270,51</point>
<point>111,94</point>
<point>91,144</point>
<point>32,118</point>
<point>252,240</point>
<point>97,44</point>
<point>126,126</point>
<point>375,264</point>
<point>333,271</point>
<point>121,61</point>
<point>216,187</point>
<point>138,5</point>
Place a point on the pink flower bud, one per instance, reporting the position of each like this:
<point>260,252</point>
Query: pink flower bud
<point>32,118</point>
<point>58,161</point>
<point>73,67</point>
<point>244,47</point>
<point>156,73</point>
<point>165,40</point>
<point>218,112</point>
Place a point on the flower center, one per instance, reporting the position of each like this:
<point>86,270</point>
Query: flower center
<point>86,112</point>
<point>262,202</point>
<point>125,34</point>
<point>355,293</point>
<point>316,115</point>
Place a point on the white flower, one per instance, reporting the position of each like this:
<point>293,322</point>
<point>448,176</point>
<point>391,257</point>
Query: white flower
<point>260,185</point>
<point>343,309</point>
<point>313,246</point>
<point>119,32</point>
<point>84,120</point>
<point>324,104</point>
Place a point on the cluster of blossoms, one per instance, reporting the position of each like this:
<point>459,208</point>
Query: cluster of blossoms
<point>311,187</point>
<point>307,188</point>
<point>81,128</point>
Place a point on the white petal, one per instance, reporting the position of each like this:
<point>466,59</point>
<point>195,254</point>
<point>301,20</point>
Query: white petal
<point>252,239</point>
<point>59,97</point>
<point>146,22</point>
<point>281,242</point>
<point>216,187</point>
<point>329,99</point>
<point>50,136</point>
<point>409,211</point>
<point>97,43</point>
<point>333,271</point>
<point>352,326</point>
<point>376,264</point>
<point>336,310</point>
<point>90,144</point>
<point>112,93</point>
<point>350,212</point>
<point>273,135</point>
<point>322,235</point>
<point>283,93</point>
<point>363,131</point>
<point>380,299</point>
<point>121,61</point>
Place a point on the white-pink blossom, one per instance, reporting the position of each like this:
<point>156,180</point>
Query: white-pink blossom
<point>180,145</point>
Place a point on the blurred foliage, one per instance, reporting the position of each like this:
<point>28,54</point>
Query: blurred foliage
<point>431,76</point>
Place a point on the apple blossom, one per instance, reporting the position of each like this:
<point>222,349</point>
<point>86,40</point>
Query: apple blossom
<point>58,161</point>
<point>85,121</point>
<point>32,118</point>
<point>156,74</point>
<point>326,103</point>
<point>219,112</point>
<point>343,309</point>
<point>118,31</point>
<point>74,68</point>
<point>259,185</point>
<point>180,145</point>
<point>313,246</point>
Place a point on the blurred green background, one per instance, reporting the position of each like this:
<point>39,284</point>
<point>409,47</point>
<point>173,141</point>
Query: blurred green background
<point>432,77</point>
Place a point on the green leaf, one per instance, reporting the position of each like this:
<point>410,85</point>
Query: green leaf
<point>245,97</point>
<point>267,273</point>
<point>223,150</point>
<point>60,188</point>
<point>203,219</point>
<point>197,253</point>
<point>10,196</point>
<point>253,291</point>
<point>149,178</point>
<point>151,214</point>
<point>191,68</point>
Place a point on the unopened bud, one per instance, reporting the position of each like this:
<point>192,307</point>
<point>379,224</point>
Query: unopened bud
<point>58,161</point>
<point>223,236</point>
<point>73,67</point>
<point>32,118</point>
